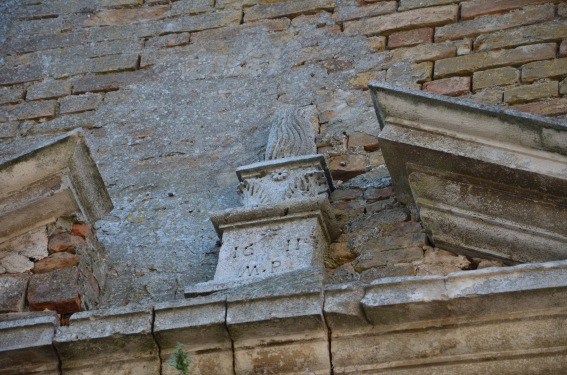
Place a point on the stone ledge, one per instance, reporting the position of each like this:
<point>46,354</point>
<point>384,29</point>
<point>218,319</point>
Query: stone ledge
<point>364,325</point>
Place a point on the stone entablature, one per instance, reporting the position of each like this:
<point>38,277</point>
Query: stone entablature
<point>483,180</point>
<point>495,320</point>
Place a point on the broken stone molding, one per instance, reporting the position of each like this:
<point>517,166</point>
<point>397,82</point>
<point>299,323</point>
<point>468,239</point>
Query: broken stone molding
<point>507,320</point>
<point>55,179</point>
<point>483,180</point>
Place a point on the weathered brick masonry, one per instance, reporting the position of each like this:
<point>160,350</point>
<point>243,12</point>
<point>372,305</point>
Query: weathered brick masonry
<point>170,89</point>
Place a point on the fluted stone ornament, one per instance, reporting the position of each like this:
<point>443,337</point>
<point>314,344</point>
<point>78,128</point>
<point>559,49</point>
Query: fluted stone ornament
<point>291,134</point>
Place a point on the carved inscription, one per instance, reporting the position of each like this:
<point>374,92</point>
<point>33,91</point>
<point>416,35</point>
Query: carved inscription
<point>270,264</point>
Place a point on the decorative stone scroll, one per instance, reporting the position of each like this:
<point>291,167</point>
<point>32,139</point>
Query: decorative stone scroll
<point>286,223</point>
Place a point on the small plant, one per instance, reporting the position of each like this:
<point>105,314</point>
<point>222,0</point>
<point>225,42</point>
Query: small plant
<point>180,360</point>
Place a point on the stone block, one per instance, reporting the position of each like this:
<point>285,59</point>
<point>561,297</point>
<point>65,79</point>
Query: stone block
<point>11,95</point>
<point>389,270</point>
<point>125,16</point>
<point>526,93</point>
<point>495,77</point>
<point>55,290</point>
<point>281,318</point>
<point>352,12</point>
<point>48,90</point>
<point>548,107</point>
<point>343,311</point>
<point>468,64</point>
<point>413,4</point>
<point>198,323</point>
<point>289,9</point>
<point>56,261</point>
<point>34,43</point>
<point>53,180</point>
<point>29,110</point>
<point>435,16</point>
<point>544,69</point>
<point>410,37</point>
<point>80,103</point>
<point>453,86</point>
<point>405,299</point>
<point>537,33</point>
<point>477,8</point>
<point>528,15</point>
<point>117,340</point>
<point>26,343</point>
<point>13,296</point>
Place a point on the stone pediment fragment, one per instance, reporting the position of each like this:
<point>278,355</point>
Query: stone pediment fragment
<point>483,180</point>
<point>52,180</point>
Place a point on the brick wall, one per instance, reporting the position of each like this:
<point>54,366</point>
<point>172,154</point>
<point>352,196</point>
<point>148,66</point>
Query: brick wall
<point>131,71</point>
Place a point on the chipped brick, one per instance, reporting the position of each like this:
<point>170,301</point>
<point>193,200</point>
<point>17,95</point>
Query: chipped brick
<point>20,74</point>
<point>549,107</point>
<point>11,95</point>
<point>64,242</point>
<point>345,167</point>
<point>531,92</point>
<point>454,86</point>
<point>29,110</point>
<point>366,141</point>
<point>410,37</point>
<point>544,69</point>
<point>495,77</point>
<point>55,290</point>
<point>55,261</point>
<point>126,16</point>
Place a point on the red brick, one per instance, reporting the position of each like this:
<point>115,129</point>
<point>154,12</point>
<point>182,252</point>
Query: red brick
<point>81,229</point>
<point>525,16</point>
<point>411,19</point>
<point>468,64</point>
<point>549,107</point>
<point>563,48</point>
<point>345,167</point>
<point>454,86</point>
<point>366,141</point>
<point>126,16</point>
<point>55,290</point>
<point>64,242</point>
<point>55,261</point>
<point>410,37</point>
<point>476,8</point>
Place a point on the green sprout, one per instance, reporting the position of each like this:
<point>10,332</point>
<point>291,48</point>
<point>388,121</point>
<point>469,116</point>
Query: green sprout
<point>180,360</point>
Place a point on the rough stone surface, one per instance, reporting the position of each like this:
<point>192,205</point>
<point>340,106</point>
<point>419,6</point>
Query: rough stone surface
<point>13,294</point>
